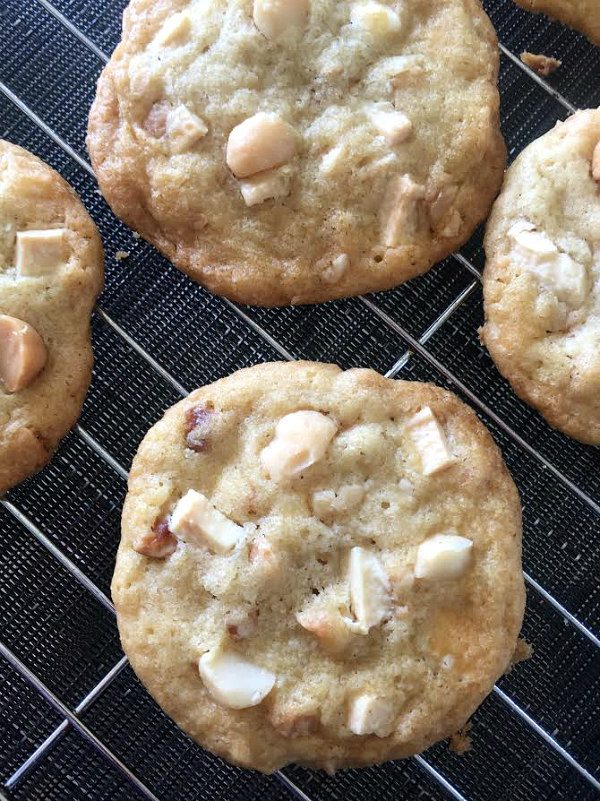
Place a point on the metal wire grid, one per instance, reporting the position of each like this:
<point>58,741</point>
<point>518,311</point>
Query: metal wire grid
<point>554,758</point>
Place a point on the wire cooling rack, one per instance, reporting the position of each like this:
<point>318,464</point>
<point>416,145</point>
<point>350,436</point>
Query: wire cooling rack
<point>75,723</point>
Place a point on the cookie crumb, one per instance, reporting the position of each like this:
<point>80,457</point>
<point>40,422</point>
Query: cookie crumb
<point>135,235</point>
<point>540,64</point>
<point>522,652</point>
<point>460,742</point>
<point>121,254</point>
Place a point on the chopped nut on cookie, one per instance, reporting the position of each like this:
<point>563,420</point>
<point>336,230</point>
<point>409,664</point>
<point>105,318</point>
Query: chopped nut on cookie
<point>327,503</point>
<point>443,556</point>
<point>22,353</point>
<point>233,681</point>
<point>371,714</point>
<point>268,185</point>
<point>430,442</point>
<point>274,18</point>
<point>332,630</point>
<point>402,210</point>
<point>301,439</point>
<point>196,521</point>
<point>393,125</point>
<point>158,542</point>
<point>198,424</point>
<point>40,252</point>
<point>184,129</point>
<point>243,625</point>
<point>369,589</point>
<point>260,143</point>
<point>375,19</point>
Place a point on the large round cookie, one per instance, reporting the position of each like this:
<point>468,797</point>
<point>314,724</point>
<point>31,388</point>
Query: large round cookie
<point>319,566</point>
<point>542,277</point>
<point>294,151</point>
<point>51,270</point>
<point>583,15</point>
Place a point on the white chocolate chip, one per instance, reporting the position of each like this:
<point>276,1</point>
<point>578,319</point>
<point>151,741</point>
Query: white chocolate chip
<point>375,19</point>
<point>233,681</point>
<point>326,503</point>
<point>275,17</point>
<point>301,439</point>
<point>40,252</point>
<point>393,125</point>
<point>333,160</point>
<point>371,714</point>
<point>430,442</point>
<point>337,268</point>
<point>443,556</point>
<point>184,128</point>
<point>196,521</point>
<point>369,589</point>
<point>596,163</point>
<point>557,272</point>
<point>259,143</point>
<point>175,30</point>
<point>264,186</point>
<point>22,353</point>
<point>402,210</point>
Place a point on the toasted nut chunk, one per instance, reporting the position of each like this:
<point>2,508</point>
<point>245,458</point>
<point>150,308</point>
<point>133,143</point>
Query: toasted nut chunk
<point>266,185</point>
<point>371,714</point>
<point>442,203</point>
<point>430,442</point>
<point>22,353</point>
<point>443,556</point>
<point>330,628</point>
<point>402,210</point>
<point>260,143</point>
<point>157,543</point>
<point>198,424</point>
<point>156,121</point>
<point>337,268</point>
<point>184,128</point>
<point>275,17</point>
<point>375,19</point>
<point>543,65</point>
<point>326,503</point>
<point>232,681</point>
<point>240,627</point>
<point>391,124</point>
<point>196,521</point>
<point>596,163</point>
<point>40,252</point>
<point>369,589</point>
<point>175,30</point>
<point>297,724</point>
<point>301,439</point>
<point>557,272</point>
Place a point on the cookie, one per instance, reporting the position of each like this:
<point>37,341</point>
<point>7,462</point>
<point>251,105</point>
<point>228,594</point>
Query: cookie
<point>52,269</point>
<point>542,277</point>
<point>295,151</point>
<point>319,566</point>
<point>582,15</point>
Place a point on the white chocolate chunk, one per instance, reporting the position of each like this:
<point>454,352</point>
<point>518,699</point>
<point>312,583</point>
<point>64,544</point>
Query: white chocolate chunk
<point>196,521</point>
<point>232,681</point>
<point>184,128</point>
<point>371,714</point>
<point>326,503</point>
<point>301,439</point>
<point>264,186</point>
<point>443,556</point>
<point>402,210</point>
<point>23,354</point>
<point>369,589</point>
<point>175,30</point>
<point>259,143</point>
<point>393,125</point>
<point>375,19</point>
<point>40,252</point>
<point>557,272</point>
<point>337,268</point>
<point>596,163</point>
<point>274,17</point>
<point>430,442</point>
<point>333,160</point>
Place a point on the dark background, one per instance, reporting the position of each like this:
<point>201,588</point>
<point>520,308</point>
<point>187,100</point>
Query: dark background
<point>67,636</point>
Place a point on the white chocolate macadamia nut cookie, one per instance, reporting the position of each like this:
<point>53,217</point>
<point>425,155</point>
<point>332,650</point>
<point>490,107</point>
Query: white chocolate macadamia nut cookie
<point>542,277</point>
<point>327,599</point>
<point>295,151</point>
<point>51,270</point>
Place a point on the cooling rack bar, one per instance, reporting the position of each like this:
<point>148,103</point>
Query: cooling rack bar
<point>81,728</point>
<point>439,778</point>
<point>104,683</point>
<point>50,741</point>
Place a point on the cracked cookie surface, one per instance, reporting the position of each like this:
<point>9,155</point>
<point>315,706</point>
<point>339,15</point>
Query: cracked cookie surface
<point>542,277</point>
<point>319,566</point>
<point>52,270</point>
<point>287,151</point>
